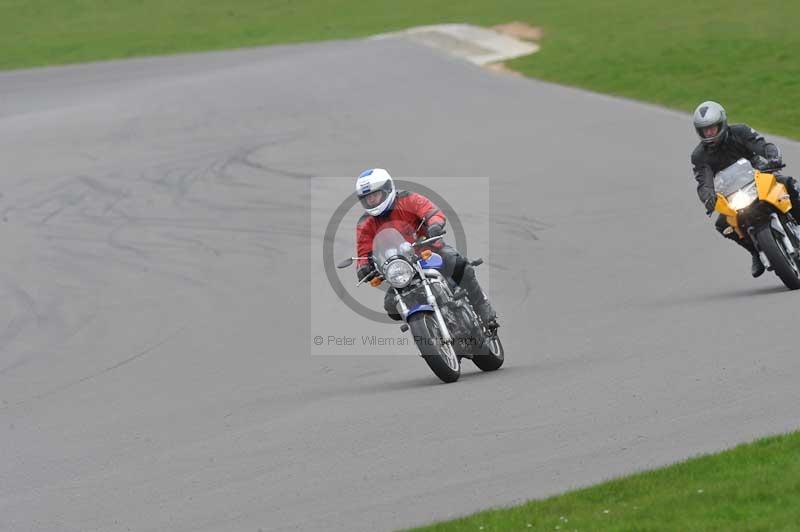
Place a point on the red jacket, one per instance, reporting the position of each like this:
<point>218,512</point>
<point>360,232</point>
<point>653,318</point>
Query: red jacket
<point>405,215</point>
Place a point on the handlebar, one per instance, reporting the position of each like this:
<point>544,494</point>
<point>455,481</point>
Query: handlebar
<point>428,240</point>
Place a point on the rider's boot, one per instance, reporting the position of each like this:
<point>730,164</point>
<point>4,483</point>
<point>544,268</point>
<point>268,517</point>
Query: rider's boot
<point>757,267</point>
<point>486,313</point>
<point>478,299</point>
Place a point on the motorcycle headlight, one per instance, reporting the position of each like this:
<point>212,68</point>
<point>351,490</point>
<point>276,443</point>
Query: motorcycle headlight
<point>743,197</point>
<point>398,273</point>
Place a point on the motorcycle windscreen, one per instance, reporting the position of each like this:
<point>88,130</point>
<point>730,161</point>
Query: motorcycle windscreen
<point>734,178</point>
<point>388,244</point>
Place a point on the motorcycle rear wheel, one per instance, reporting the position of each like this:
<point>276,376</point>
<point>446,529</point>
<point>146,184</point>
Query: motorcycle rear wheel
<point>440,357</point>
<point>493,354</point>
<point>785,266</point>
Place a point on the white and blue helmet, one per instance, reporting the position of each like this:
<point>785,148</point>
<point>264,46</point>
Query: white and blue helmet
<point>376,180</point>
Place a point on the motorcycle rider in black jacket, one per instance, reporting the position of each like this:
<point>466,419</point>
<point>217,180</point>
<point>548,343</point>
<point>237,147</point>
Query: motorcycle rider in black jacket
<point>720,146</point>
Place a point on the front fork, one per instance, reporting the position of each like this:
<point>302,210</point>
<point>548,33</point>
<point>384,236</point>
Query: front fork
<point>430,299</point>
<point>446,337</point>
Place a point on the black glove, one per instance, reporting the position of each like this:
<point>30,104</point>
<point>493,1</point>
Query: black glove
<point>775,163</point>
<point>759,162</point>
<point>435,230</point>
<point>762,163</point>
<point>363,271</point>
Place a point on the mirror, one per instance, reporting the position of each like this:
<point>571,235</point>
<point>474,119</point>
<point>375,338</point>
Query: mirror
<point>345,263</point>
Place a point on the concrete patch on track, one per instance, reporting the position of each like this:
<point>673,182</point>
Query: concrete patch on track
<point>481,46</point>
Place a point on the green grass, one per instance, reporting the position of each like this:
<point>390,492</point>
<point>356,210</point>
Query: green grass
<point>754,487</point>
<point>743,53</point>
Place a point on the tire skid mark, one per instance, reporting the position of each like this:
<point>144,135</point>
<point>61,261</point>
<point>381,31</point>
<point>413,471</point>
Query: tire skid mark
<point>77,190</point>
<point>132,358</point>
<point>26,314</point>
<point>526,284</point>
<point>115,242</point>
<point>179,224</point>
<point>193,243</point>
<point>103,188</point>
<point>92,210</point>
<point>32,207</point>
<point>29,357</point>
<point>523,226</point>
<point>245,158</point>
<point>137,267</point>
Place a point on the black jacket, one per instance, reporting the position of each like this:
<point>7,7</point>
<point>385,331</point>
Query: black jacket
<point>740,141</point>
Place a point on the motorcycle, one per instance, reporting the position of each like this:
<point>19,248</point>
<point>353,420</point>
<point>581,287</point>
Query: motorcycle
<point>442,321</point>
<point>757,207</point>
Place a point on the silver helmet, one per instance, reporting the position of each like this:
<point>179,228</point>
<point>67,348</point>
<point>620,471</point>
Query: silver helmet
<point>710,114</point>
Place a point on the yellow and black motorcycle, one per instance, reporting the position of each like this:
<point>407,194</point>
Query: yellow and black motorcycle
<point>757,207</point>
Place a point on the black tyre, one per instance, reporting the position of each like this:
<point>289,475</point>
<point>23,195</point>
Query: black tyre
<point>784,264</point>
<point>493,355</point>
<point>440,357</point>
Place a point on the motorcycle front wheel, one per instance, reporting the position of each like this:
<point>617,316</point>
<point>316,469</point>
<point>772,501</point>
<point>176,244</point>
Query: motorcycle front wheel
<point>782,262</point>
<point>439,356</point>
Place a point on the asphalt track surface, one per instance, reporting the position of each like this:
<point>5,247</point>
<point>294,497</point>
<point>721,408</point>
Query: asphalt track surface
<point>155,366</point>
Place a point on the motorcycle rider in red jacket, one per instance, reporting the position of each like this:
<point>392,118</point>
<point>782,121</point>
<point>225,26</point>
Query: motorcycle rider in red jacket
<point>405,211</point>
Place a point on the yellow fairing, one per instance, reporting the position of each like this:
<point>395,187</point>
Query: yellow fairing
<point>723,207</point>
<point>771,191</point>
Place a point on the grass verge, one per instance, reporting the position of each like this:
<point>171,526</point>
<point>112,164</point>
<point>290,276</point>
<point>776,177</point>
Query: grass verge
<point>751,487</point>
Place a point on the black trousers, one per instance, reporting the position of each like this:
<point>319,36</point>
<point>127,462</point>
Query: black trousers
<point>455,267</point>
